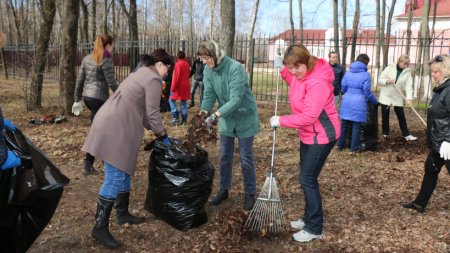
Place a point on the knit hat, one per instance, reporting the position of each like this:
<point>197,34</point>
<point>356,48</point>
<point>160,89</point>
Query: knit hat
<point>214,50</point>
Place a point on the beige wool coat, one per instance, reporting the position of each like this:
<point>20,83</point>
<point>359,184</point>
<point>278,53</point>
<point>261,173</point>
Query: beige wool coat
<point>118,127</point>
<point>389,95</point>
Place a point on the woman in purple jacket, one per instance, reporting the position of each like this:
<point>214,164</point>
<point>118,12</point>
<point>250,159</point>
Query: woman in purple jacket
<point>356,90</point>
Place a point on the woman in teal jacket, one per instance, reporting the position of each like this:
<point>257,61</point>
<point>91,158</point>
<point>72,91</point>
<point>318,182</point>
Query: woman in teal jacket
<point>226,82</point>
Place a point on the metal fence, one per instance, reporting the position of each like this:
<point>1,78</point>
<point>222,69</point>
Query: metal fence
<point>18,59</point>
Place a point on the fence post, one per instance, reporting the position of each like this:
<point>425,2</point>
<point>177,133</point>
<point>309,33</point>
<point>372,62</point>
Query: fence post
<point>252,59</point>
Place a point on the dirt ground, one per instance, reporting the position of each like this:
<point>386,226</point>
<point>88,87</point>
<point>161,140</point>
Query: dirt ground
<point>361,193</point>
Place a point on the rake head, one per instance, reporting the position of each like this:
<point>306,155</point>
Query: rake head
<point>267,214</point>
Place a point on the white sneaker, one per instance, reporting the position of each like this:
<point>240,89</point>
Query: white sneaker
<point>298,224</point>
<point>410,138</point>
<point>304,236</point>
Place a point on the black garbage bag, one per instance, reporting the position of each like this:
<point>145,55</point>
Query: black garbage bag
<point>369,131</point>
<point>29,194</point>
<point>179,185</point>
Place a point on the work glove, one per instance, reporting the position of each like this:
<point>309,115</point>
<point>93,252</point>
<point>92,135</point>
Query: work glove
<point>166,141</point>
<point>11,161</point>
<point>8,124</point>
<point>275,121</point>
<point>211,120</point>
<point>77,108</point>
<point>444,151</point>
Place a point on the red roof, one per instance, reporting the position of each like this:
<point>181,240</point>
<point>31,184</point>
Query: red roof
<point>307,34</point>
<point>443,8</point>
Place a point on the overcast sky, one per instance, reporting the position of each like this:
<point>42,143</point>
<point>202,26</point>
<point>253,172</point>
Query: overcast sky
<point>273,15</point>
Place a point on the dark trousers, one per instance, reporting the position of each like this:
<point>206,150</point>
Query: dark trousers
<point>312,159</point>
<point>93,105</point>
<point>400,116</point>
<point>356,135</point>
<point>433,166</point>
<point>196,84</point>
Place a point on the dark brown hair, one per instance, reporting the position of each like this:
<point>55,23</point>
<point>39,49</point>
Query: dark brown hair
<point>159,54</point>
<point>364,58</point>
<point>181,55</point>
<point>298,54</point>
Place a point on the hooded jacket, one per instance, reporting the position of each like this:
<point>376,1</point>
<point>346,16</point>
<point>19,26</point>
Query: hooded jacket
<point>356,89</point>
<point>338,71</point>
<point>181,85</point>
<point>438,120</point>
<point>312,103</point>
<point>389,95</point>
<point>93,80</point>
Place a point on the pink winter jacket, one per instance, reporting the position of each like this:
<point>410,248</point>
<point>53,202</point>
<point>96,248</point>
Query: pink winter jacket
<point>312,102</point>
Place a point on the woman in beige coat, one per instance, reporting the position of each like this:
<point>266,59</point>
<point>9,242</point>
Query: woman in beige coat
<point>399,75</point>
<point>115,137</point>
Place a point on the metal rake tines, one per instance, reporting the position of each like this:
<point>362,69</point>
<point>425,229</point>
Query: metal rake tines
<point>267,217</point>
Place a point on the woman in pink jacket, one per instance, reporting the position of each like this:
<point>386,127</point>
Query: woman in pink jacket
<point>314,114</point>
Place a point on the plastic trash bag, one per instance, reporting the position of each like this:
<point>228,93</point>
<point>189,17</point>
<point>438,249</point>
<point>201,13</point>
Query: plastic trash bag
<point>29,194</point>
<point>179,185</point>
<point>369,131</point>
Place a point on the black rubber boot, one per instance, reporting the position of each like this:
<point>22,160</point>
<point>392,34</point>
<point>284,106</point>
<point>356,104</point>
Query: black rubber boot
<point>221,196</point>
<point>183,119</point>
<point>89,165</point>
<point>122,214</point>
<point>101,229</point>
<point>249,201</point>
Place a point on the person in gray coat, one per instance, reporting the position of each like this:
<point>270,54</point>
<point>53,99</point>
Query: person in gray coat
<point>116,135</point>
<point>95,76</point>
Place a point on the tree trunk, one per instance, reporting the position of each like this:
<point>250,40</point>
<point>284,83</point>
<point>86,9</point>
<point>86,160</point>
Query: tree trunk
<point>388,33</point>
<point>336,28</point>
<point>48,10</point>
<point>249,58</point>
<point>84,23</point>
<point>378,33</point>
<point>68,54</point>
<point>382,26</point>
<point>94,19</point>
<point>133,32</point>
<point>300,6</point>
<point>424,45</point>
<point>211,26</point>
<point>291,21</point>
<point>355,30</point>
<point>227,16</point>
<point>16,22</point>
<point>105,18</point>
<point>408,28</point>
<point>344,33</point>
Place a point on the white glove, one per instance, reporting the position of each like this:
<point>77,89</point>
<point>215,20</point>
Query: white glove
<point>444,151</point>
<point>77,108</point>
<point>275,121</point>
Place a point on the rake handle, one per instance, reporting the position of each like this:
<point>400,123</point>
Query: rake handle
<point>412,107</point>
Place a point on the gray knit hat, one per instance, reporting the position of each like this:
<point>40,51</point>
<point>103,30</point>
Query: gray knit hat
<point>214,50</point>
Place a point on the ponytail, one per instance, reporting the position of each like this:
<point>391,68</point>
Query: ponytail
<point>101,41</point>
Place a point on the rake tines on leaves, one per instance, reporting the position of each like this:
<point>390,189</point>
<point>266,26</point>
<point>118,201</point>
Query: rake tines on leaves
<point>267,214</point>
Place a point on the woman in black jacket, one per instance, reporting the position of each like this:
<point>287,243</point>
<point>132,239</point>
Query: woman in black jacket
<point>438,132</point>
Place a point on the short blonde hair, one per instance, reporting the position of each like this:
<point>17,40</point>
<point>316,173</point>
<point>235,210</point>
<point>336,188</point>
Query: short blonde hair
<point>442,64</point>
<point>403,58</point>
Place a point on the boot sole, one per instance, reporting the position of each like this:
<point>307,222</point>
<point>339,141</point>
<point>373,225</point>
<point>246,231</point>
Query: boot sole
<point>104,244</point>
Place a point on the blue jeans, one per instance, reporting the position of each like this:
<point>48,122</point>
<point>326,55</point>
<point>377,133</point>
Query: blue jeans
<point>196,84</point>
<point>356,134</point>
<point>174,109</point>
<point>312,159</point>
<point>115,181</point>
<point>247,163</point>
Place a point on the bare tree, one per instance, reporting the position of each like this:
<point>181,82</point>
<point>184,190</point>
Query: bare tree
<point>408,27</point>
<point>227,16</point>
<point>388,34</point>
<point>132,31</point>
<point>336,27</point>
<point>48,10</point>
<point>94,19</point>
<point>355,30</point>
<point>211,26</point>
<point>378,33</point>
<point>249,59</point>
<point>382,25</point>
<point>424,47</point>
<point>300,7</point>
<point>84,22</point>
<point>291,21</point>
<point>344,33</point>
<point>12,7</point>
<point>69,52</point>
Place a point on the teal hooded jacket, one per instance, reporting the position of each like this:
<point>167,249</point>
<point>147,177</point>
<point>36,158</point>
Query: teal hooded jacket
<point>227,83</point>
